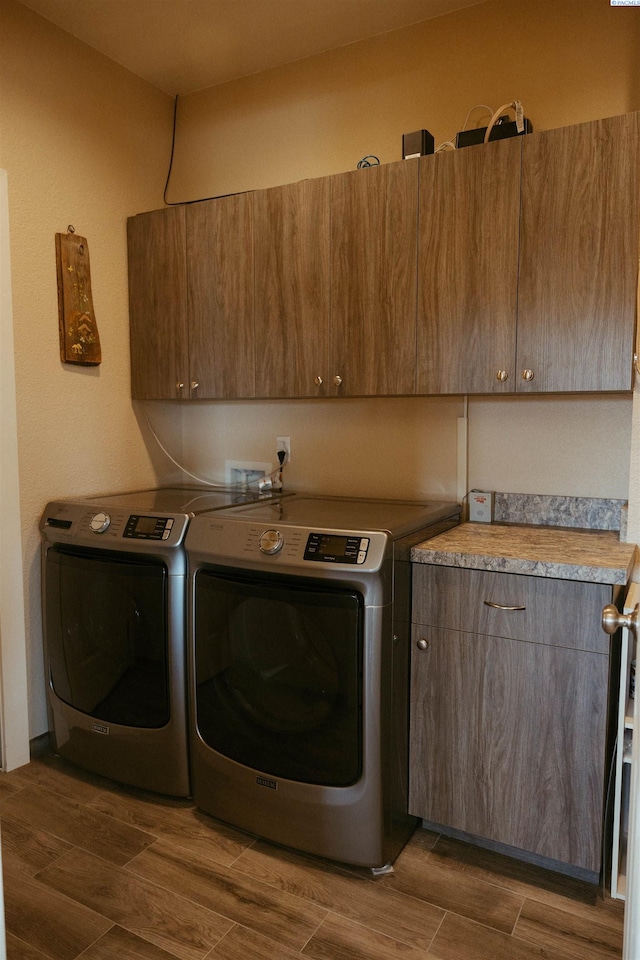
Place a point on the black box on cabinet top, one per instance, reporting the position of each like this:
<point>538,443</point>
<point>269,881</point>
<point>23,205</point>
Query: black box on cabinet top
<point>417,144</point>
<point>500,131</point>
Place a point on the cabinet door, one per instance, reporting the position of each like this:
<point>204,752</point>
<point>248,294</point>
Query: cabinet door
<point>158,304</point>
<point>220,290</point>
<point>373,279</point>
<point>468,269</point>
<point>508,742</point>
<point>292,289</point>
<point>579,256</point>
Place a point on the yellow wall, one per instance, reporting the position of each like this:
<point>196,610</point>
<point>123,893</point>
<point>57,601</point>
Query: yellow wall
<point>84,143</point>
<point>566,60</point>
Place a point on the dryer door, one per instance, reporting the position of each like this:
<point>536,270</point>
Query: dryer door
<point>278,667</point>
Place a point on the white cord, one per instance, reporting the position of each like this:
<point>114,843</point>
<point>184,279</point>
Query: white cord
<point>514,105</point>
<point>209,483</point>
<point>478,106</point>
<point>451,144</point>
<point>447,145</point>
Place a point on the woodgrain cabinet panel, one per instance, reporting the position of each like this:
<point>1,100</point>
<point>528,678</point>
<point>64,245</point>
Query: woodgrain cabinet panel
<point>508,742</point>
<point>468,269</point>
<point>499,268</point>
<point>373,279</point>
<point>292,289</point>
<point>220,297</point>
<point>579,256</point>
<point>538,609</point>
<point>158,304</point>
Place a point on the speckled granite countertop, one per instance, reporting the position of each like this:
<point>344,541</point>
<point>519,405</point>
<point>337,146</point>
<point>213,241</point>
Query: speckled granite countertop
<point>596,556</point>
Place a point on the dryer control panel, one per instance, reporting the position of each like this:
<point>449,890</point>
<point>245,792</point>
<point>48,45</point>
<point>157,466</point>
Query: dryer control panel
<point>335,548</point>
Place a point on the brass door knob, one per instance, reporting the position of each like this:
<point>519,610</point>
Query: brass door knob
<point>422,644</point>
<point>502,375</point>
<point>612,619</point>
<point>337,380</point>
<point>527,375</point>
<point>318,381</point>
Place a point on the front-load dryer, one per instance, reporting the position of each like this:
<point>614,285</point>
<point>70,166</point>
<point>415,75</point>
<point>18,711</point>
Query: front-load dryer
<point>299,660</point>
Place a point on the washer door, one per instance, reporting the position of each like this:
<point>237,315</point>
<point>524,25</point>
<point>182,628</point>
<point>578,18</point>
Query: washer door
<point>106,635</point>
<point>279,675</point>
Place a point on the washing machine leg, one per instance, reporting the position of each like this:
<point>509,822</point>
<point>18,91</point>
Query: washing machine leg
<point>382,871</point>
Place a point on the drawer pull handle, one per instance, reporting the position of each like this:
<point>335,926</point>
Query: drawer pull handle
<point>503,606</point>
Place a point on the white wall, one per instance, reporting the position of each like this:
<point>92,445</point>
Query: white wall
<point>14,719</point>
<point>402,447</point>
<point>572,446</point>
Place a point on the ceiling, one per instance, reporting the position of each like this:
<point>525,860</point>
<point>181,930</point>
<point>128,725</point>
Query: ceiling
<point>182,46</point>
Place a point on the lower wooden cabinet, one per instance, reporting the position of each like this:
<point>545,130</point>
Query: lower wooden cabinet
<point>509,737</point>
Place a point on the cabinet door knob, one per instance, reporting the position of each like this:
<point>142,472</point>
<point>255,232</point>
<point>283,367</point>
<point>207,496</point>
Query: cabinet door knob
<point>318,381</point>
<point>612,619</point>
<point>179,385</point>
<point>194,384</point>
<point>422,644</point>
<point>527,375</point>
<point>337,380</point>
<point>502,375</point>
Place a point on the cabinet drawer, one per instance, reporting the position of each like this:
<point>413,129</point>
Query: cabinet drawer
<point>565,613</point>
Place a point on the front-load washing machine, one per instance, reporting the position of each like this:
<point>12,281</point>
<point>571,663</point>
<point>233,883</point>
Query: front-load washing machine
<point>114,622</point>
<point>299,660</point>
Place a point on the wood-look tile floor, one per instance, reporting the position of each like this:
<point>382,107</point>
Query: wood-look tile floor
<point>98,871</point>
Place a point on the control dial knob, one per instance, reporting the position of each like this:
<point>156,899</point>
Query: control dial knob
<point>271,541</point>
<point>100,522</point>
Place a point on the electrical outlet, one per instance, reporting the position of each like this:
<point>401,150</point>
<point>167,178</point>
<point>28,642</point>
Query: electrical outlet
<point>284,443</point>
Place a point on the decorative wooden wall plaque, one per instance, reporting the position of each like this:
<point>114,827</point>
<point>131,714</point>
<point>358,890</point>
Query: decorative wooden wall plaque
<point>79,338</point>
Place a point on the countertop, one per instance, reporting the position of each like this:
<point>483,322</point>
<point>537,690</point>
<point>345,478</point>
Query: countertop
<point>595,556</point>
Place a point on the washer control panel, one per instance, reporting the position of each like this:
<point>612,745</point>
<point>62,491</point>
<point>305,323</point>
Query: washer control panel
<point>140,527</point>
<point>334,548</point>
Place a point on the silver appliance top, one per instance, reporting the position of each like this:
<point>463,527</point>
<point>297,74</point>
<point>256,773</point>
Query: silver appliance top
<point>345,514</point>
<point>315,535</point>
<point>141,520</point>
<point>179,499</point>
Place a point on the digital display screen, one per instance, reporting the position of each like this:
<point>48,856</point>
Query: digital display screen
<point>146,525</point>
<point>333,546</point>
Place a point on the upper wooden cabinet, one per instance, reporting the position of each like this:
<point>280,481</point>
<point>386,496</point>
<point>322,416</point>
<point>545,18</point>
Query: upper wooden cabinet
<point>373,279</point>
<point>292,289</point>
<point>220,297</point>
<point>335,284</point>
<point>468,269</point>
<point>507,267</point>
<point>579,256</point>
<point>191,301</point>
<point>158,304</point>
<point>527,270</point>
